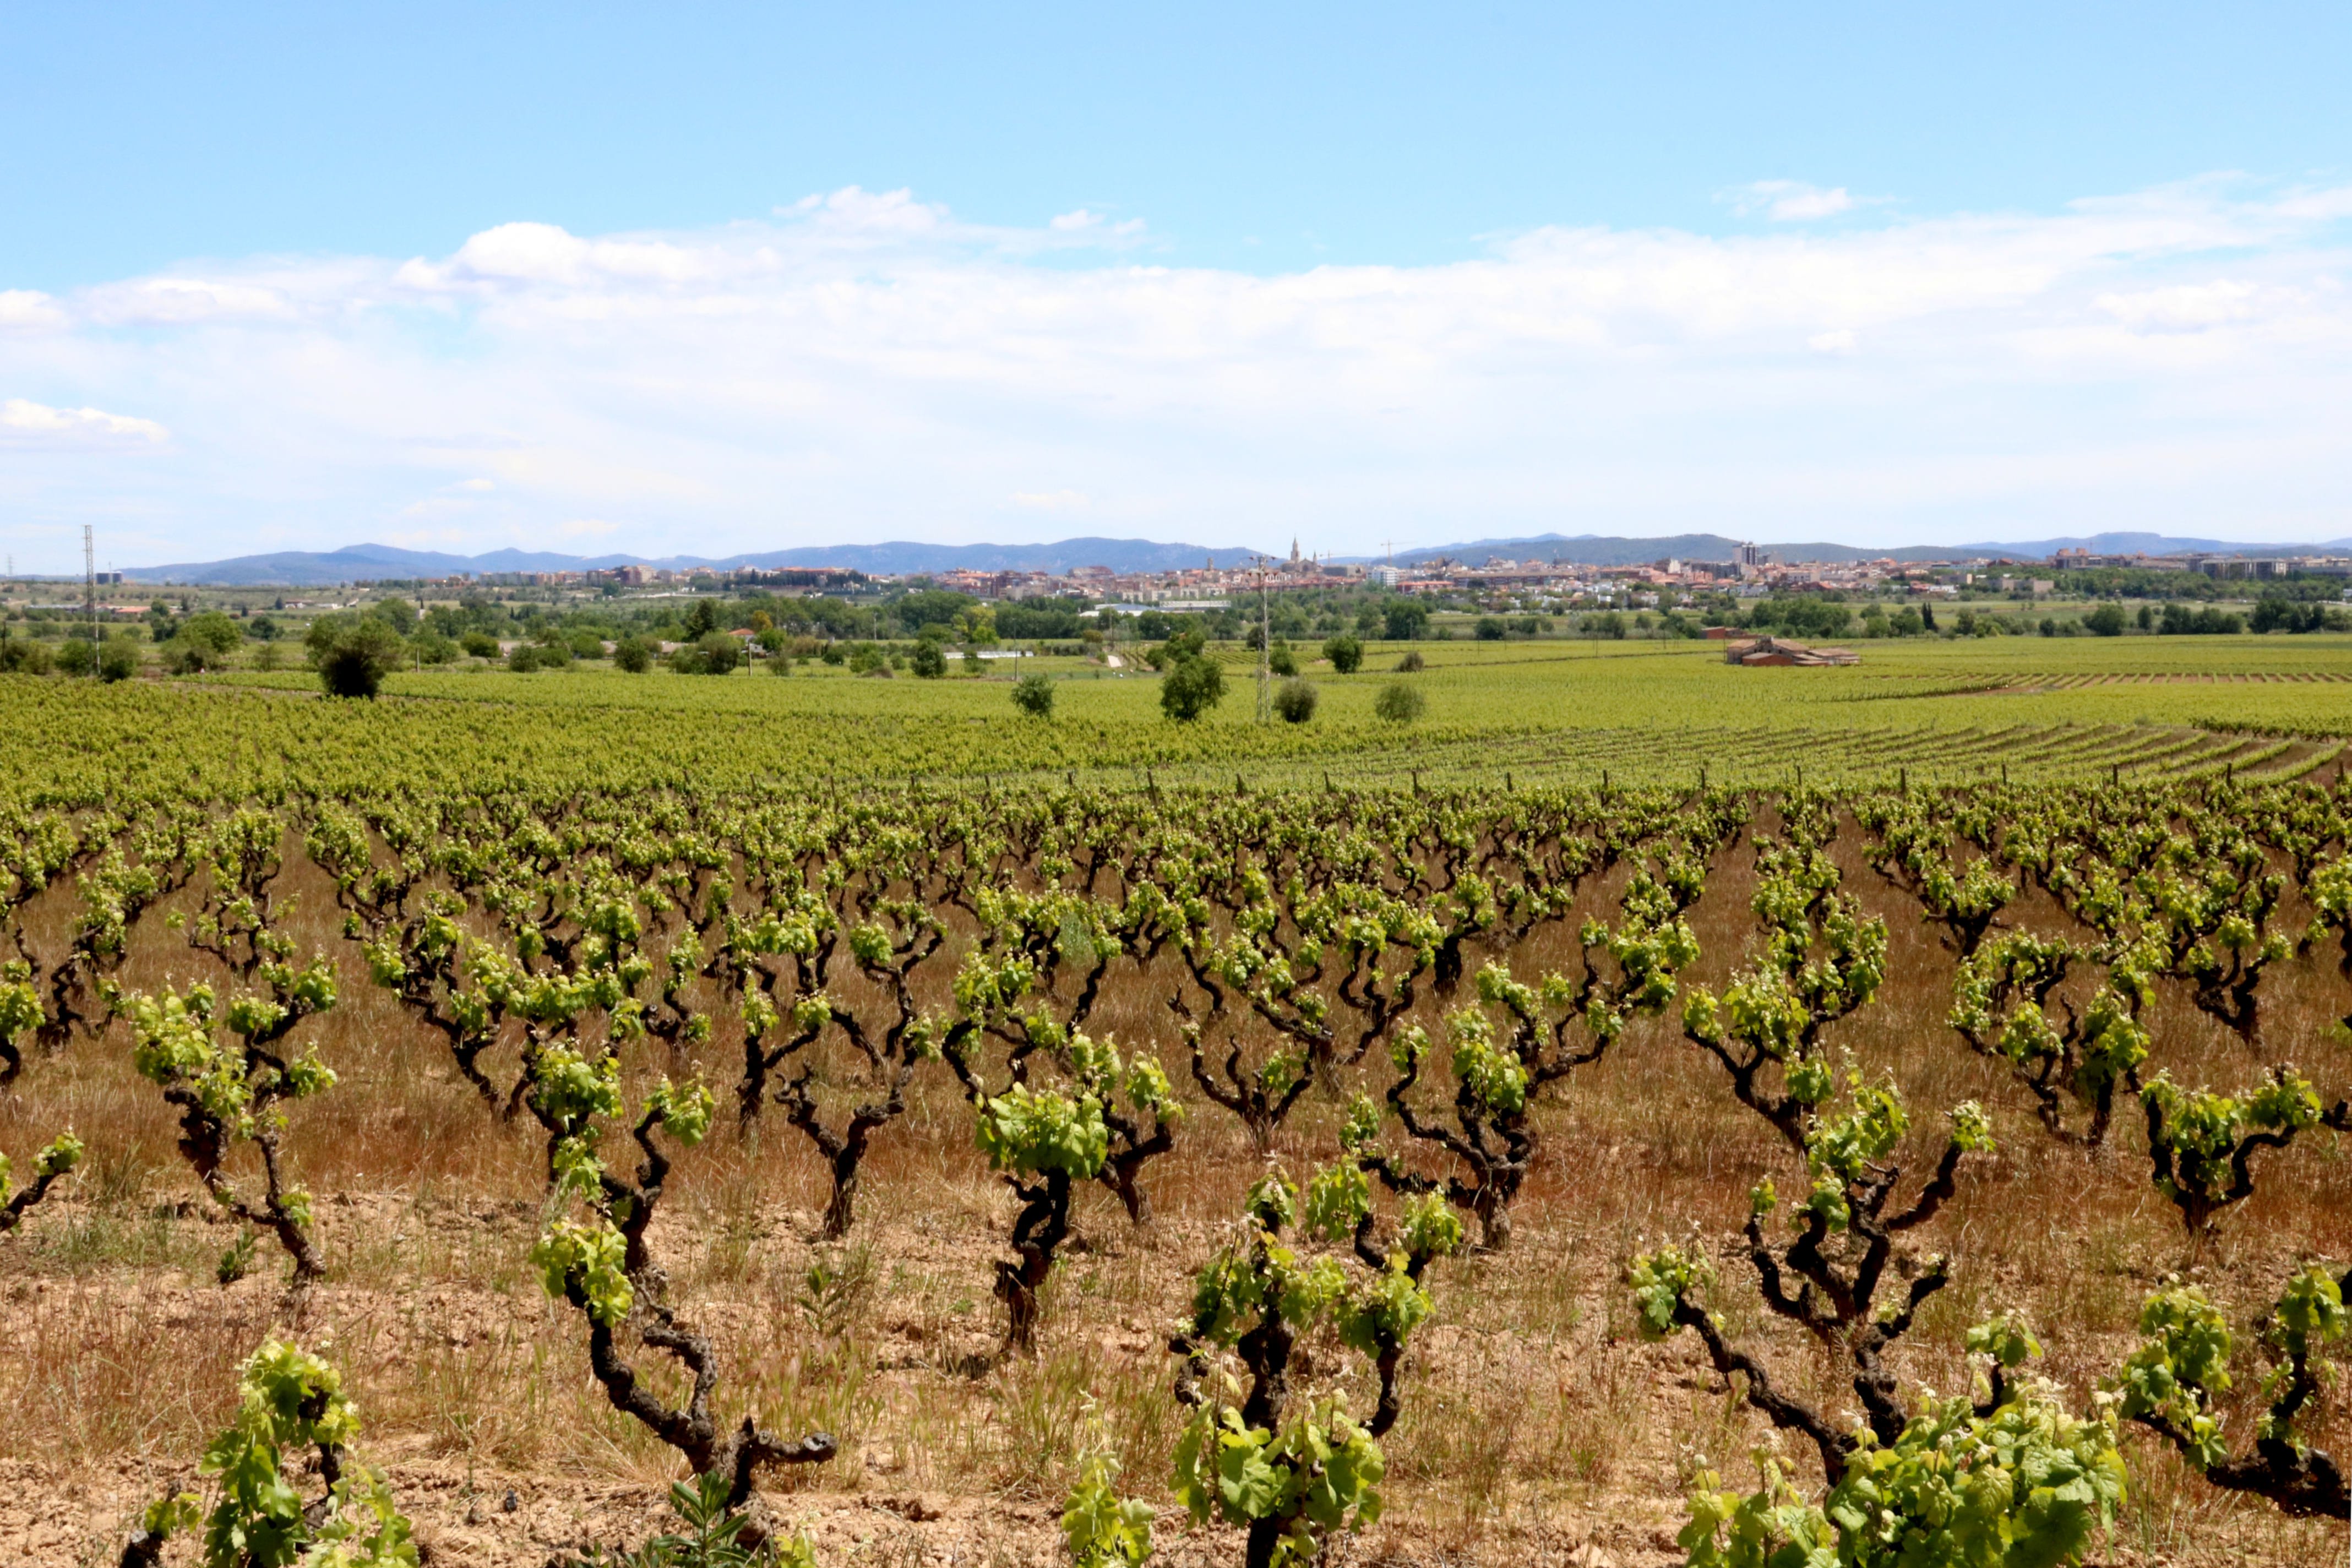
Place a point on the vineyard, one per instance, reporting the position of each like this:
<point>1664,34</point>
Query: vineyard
<point>1644,1112</point>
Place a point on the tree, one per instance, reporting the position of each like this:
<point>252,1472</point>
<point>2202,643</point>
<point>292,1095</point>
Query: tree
<point>632,656</point>
<point>1404,621</point>
<point>1193,686</point>
<point>216,634</point>
<point>1399,704</point>
<point>1491,629</point>
<point>930,661</point>
<point>2106,621</point>
<point>352,653</point>
<point>1294,700</point>
<point>1034,694</point>
<point>1345,653</point>
<point>701,620</point>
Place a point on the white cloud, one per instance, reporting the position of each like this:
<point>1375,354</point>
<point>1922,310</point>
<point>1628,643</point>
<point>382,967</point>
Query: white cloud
<point>1791,200</point>
<point>21,416</point>
<point>868,365</point>
<point>2183,308</point>
<point>1051,500</point>
<point>28,308</point>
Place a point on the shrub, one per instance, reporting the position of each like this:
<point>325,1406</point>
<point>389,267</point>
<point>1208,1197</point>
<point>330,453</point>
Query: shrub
<point>523,658</point>
<point>2170,1385</point>
<point>1034,694</point>
<point>78,657</point>
<point>1193,685</point>
<point>930,661</point>
<point>52,1162</point>
<point>1404,622</point>
<point>20,656</point>
<point>723,653</point>
<point>353,654</point>
<point>1412,663</point>
<point>1294,700</point>
<point>1490,628</point>
<point>1345,653</point>
<point>432,647</point>
<point>288,1400</point>
<point>1399,704</point>
<point>1282,660</point>
<point>480,645</point>
<point>118,660</point>
<point>633,655</point>
<point>602,1267</point>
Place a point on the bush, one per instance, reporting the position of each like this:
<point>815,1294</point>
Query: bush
<point>1410,664</point>
<point>432,647</point>
<point>77,657</point>
<point>1294,700</point>
<point>21,657</point>
<point>524,659</point>
<point>633,655</point>
<point>1282,661</point>
<point>352,653</point>
<point>1191,687</point>
<point>1345,653</point>
<point>718,653</point>
<point>931,660</point>
<point>480,645</point>
<point>1034,694</point>
<point>1399,704</point>
<point>1491,629</point>
<point>118,658</point>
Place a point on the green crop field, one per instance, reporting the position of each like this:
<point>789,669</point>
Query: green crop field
<point>1639,711</point>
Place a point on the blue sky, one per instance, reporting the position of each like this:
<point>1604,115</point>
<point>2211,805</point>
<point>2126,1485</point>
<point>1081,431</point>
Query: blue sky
<point>701,278</point>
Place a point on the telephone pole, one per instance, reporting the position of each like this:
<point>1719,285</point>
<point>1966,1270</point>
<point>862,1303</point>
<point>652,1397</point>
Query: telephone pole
<point>1265,651</point>
<point>90,593</point>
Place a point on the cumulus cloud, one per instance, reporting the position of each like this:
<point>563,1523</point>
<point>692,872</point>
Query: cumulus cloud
<point>21,416</point>
<point>867,365</point>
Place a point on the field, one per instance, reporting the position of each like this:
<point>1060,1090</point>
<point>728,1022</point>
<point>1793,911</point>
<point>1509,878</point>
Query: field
<point>1642,711</point>
<point>1800,922</point>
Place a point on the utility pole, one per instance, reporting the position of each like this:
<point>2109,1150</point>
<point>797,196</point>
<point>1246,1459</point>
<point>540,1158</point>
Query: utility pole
<point>90,593</point>
<point>1265,651</point>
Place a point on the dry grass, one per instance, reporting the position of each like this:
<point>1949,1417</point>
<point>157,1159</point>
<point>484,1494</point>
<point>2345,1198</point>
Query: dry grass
<point>1535,1424</point>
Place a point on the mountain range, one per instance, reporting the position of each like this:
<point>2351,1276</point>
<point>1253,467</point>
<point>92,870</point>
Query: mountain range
<point>363,562</point>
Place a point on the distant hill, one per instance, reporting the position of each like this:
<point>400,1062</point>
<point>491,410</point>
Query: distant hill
<point>363,562</point>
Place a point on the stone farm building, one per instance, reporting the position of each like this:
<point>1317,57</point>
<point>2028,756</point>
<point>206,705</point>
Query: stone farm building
<point>1780,650</point>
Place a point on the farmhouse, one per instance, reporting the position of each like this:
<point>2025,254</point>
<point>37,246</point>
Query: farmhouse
<point>1780,650</point>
